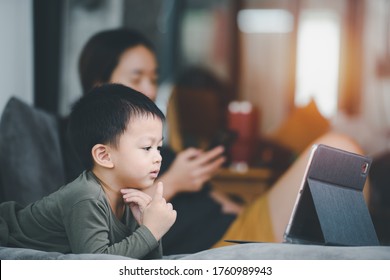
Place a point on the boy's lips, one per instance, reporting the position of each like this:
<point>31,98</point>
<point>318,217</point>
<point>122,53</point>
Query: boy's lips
<point>154,173</point>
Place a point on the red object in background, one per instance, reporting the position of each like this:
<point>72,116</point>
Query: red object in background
<point>243,119</point>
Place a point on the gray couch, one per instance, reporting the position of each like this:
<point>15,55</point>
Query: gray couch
<point>255,251</point>
<point>30,168</point>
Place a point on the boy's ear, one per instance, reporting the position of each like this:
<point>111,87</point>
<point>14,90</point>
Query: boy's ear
<point>101,155</point>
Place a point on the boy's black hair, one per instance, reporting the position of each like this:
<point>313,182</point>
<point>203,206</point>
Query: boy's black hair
<point>102,116</point>
<point>101,54</point>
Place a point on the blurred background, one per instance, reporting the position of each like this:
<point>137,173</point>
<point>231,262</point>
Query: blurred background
<point>305,65</point>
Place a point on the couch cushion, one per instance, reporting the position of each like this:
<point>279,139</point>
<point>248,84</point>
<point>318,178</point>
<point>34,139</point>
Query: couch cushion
<point>31,164</point>
<point>31,254</point>
<point>301,128</point>
<point>254,251</point>
<point>280,251</point>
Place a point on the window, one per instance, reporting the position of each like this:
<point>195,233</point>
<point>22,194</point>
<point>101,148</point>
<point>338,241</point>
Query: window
<point>318,60</point>
<point>265,21</point>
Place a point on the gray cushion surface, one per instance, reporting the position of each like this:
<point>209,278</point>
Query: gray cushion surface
<point>281,251</point>
<point>256,251</point>
<point>30,155</point>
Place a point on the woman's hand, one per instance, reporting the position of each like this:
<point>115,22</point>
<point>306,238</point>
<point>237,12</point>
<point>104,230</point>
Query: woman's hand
<point>191,169</point>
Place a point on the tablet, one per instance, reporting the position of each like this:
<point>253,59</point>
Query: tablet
<point>330,208</point>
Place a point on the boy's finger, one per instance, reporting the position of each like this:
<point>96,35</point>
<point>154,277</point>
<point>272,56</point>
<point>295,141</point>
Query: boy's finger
<point>159,190</point>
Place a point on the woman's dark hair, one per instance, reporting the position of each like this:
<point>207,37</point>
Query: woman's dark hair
<point>101,54</point>
<point>102,116</point>
<point>195,84</point>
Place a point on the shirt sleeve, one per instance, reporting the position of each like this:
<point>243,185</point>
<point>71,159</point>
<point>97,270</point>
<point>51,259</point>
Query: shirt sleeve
<point>87,227</point>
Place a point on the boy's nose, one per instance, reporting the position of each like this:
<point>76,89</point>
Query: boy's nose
<point>158,157</point>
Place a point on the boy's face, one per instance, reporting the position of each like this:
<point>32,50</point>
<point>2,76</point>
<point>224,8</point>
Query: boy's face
<point>137,158</point>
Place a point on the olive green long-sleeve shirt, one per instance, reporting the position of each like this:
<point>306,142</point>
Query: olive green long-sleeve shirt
<point>77,219</point>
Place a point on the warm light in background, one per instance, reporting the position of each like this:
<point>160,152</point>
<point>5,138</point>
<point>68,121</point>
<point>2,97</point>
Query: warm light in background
<point>318,60</point>
<point>265,21</point>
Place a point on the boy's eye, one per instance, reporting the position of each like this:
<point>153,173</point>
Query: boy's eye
<point>150,147</point>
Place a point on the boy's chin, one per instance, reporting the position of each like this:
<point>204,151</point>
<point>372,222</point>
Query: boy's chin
<point>148,189</point>
<point>147,185</point>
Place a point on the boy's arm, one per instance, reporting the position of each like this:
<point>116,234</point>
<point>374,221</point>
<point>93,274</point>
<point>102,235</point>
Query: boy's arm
<point>88,230</point>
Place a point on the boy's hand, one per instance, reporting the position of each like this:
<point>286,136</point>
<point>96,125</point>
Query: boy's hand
<point>137,201</point>
<point>159,215</point>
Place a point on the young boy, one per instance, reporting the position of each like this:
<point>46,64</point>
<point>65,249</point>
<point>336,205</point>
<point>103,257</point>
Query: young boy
<point>117,132</point>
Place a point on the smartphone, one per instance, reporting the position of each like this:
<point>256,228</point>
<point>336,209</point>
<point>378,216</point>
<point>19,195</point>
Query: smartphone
<point>223,138</point>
